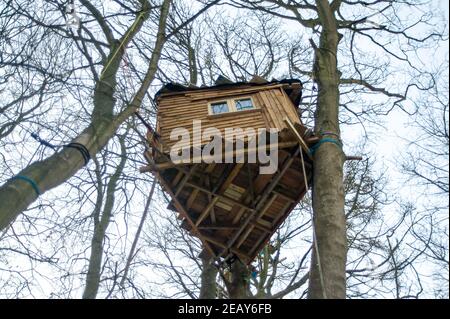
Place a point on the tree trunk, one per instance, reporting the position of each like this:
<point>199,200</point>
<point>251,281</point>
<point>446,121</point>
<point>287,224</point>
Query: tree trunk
<point>17,194</point>
<point>327,278</point>
<point>208,289</point>
<point>238,288</point>
<point>100,226</point>
<point>95,263</point>
<point>131,254</point>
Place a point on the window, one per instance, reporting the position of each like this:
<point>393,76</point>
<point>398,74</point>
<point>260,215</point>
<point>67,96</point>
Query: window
<point>231,105</point>
<point>219,107</point>
<point>243,104</point>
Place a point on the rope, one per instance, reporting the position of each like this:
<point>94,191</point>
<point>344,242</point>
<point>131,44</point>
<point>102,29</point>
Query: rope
<point>133,26</point>
<point>329,133</point>
<point>79,147</point>
<point>147,125</point>
<point>314,148</point>
<point>43,142</point>
<point>29,181</point>
<point>82,149</point>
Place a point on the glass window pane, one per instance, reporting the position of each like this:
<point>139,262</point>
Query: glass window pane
<point>219,107</point>
<point>244,104</point>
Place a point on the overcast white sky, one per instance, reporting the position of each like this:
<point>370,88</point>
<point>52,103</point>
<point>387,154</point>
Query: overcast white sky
<point>387,144</point>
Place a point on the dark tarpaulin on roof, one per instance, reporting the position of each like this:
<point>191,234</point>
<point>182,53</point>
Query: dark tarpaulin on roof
<point>293,87</point>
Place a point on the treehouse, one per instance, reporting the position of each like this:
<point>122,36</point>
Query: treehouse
<point>230,198</point>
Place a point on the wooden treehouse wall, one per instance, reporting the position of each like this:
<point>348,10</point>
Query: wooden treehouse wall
<point>272,106</point>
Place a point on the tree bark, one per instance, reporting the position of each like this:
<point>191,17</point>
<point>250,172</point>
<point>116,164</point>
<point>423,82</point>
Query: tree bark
<point>131,255</point>
<point>239,288</point>
<point>16,195</point>
<point>100,226</point>
<point>208,289</point>
<point>327,279</point>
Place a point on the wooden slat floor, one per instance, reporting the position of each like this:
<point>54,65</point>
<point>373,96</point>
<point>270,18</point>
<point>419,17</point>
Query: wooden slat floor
<point>230,207</point>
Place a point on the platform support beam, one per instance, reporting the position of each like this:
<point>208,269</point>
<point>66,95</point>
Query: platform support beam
<point>218,190</point>
<point>262,200</point>
<point>184,212</point>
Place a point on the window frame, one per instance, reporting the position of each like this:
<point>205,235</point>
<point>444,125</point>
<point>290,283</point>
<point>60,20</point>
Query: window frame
<point>231,102</point>
<point>210,107</point>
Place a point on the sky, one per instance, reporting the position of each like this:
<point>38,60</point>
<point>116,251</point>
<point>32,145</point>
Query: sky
<point>445,7</point>
<point>388,143</point>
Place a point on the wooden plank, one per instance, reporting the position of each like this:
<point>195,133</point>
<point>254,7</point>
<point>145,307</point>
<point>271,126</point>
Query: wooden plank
<point>264,115</point>
<point>238,216</point>
<point>255,112</point>
<point>238,92</point>
<point>274,116</point>
<point>236,169</point>
<point>166,165</point>
<point>278,106</point>
<point>244,236</point>
<point>183,212</point>
<point>257,217</point>
<point>218,227</point>
<point>262,200</point>
<point>276,109</point>
<point>299,138</point>
<point>212,215</point>
<point>291,108</point>
<point>184,180</point>
<point>282,212</point>
<point>220,196</point>
<point>264,238</point>
<point>283,102</point>
<point>258,243</point>
<point>233,250</point>
<point>243,121</point>
<point>195,191</point>
<point>177,178</point>
<point>263,223</point>
<point>191,198</point>
<point>266,228</point>
<point>219,189</point>
<point>206,211</point>
<point>284,197</point>
<point>276,223</point>
<point>208,92</point>
<point>244,124</point>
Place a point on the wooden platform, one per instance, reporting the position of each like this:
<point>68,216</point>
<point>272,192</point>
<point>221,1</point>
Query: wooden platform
<point>232,208</point>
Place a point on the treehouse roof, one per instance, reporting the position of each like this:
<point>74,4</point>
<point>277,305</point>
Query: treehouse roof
<point>292,87</point>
